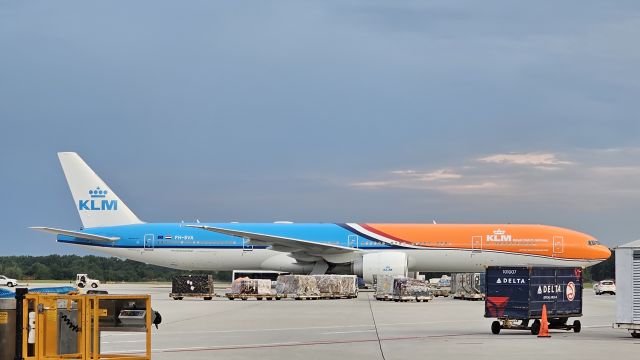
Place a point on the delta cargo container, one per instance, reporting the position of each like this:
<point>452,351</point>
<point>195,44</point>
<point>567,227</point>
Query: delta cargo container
<point>518,294</point>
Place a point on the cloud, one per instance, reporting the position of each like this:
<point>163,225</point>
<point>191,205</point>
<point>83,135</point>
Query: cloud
<point>457,188</point>
<point>533,159</point>
<point>441,174</point>
<point>600,172</point>
<point>441,180</point>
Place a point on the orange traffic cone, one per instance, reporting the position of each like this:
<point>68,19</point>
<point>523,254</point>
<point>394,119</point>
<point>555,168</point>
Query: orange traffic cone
<point>544,323</point>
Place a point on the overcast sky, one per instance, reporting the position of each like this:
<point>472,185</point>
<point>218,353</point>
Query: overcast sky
<point>338,111</point>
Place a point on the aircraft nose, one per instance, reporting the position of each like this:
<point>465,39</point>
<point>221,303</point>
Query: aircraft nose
<point>603,252</point>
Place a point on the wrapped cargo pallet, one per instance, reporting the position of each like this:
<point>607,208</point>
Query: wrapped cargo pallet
<point>297,285</point>
<point>411,289</point>
<point>192,286</point>
<point>349,285</point>
<point>384,286</point>
<point>337,285</point>
<point>248,286</point>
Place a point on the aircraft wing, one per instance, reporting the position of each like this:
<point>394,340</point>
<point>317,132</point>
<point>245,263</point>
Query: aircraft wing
<point>77,234</point>
<point>284,244</point>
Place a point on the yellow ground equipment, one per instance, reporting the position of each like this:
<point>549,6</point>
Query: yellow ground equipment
<point>55,326</point>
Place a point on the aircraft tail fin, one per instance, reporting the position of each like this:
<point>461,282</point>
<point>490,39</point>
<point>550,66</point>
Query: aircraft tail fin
<point>96,203</point>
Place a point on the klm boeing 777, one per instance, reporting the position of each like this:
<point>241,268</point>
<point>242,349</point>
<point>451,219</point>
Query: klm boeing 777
<point>344,248</point>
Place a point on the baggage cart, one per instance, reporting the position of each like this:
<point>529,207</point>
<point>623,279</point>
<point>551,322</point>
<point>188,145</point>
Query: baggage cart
<point>515,296</point>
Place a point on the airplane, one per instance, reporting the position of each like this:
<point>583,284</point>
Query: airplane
<point>363,249</point>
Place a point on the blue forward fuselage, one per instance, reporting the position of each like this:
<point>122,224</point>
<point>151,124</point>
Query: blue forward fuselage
<point>178,235</point>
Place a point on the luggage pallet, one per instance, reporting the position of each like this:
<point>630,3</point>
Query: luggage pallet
<point>474,297</point>
<point>438,292</point>
<point>255,296</point>
<point>180,296</point>
<point>412,298</point>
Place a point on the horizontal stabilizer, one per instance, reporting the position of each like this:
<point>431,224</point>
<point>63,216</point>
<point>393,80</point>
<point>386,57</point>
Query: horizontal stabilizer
<point>77,234</point>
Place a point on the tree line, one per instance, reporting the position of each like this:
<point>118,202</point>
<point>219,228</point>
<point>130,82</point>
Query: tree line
<point>65,267</point>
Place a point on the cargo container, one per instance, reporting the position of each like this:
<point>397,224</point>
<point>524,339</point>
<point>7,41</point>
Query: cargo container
<point>468,286</point>
<point>518,294</point>
<point>192,286</point>
<point>628,288</point>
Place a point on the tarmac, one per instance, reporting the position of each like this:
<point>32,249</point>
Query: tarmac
<point>361,328</point>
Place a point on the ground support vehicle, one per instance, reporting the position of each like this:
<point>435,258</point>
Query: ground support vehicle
<point>515,296</point>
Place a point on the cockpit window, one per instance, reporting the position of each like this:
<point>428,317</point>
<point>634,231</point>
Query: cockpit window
<point>593,242</point>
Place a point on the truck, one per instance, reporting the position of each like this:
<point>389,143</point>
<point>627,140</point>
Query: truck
<point>517,294</point>
<point>5,281</point>
<point>83,280</point>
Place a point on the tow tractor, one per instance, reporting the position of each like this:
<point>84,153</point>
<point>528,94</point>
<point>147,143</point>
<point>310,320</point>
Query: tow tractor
<point>83,280</point>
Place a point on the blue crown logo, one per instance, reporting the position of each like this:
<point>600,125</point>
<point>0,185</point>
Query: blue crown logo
<point>98,193</point>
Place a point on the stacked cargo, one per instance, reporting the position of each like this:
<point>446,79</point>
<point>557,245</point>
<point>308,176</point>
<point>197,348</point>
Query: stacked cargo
<point>298,286</point>
<point>244,288</point>
<point>407,289</point>
<point>192,286</point>
<point>440,286</point>
<point>383,285</point>
<point>399,288</point>
<point>337,286</point>
<point>251,286</point>
<point>456,285</point>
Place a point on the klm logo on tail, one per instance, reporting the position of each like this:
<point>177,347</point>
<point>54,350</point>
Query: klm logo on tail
<point>98,201</point>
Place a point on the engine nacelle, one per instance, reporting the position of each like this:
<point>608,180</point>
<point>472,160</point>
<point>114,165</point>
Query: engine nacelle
<point>382,263</point>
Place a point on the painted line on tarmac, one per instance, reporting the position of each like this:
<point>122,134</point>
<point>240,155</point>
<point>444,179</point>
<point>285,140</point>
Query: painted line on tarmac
<point>306,328</point>
<point>285,344</point>
<point>346,332</point>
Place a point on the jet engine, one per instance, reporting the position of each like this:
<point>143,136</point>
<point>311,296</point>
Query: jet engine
<point>382,263</point>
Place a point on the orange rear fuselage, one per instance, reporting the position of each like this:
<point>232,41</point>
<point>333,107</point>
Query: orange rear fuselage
<point>534,240</point>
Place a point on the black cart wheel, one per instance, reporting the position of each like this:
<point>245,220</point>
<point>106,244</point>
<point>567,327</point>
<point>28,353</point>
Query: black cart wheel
<point>208,298</point>
<point>635,335</point>
<point>535,327</point>
<point>577,326</point>
<point>495,327</point>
